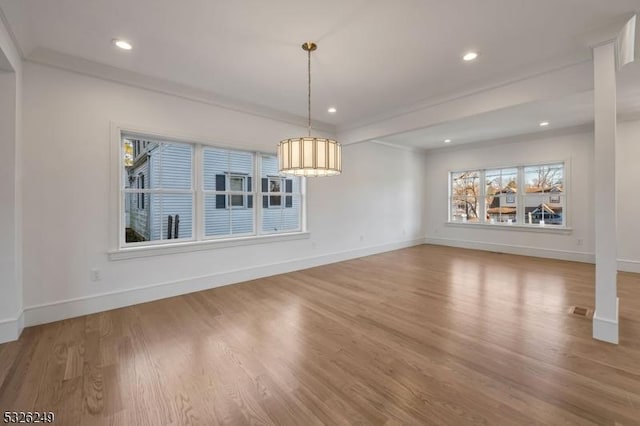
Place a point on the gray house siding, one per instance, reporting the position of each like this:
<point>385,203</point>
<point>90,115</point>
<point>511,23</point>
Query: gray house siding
<point>167,166</point>
<point>171,169</point>
<point>219,217</point>
<point>280,218</point>
<point>138,216</point>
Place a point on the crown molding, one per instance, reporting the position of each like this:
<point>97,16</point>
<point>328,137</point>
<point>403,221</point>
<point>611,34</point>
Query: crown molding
<point>90,68</point>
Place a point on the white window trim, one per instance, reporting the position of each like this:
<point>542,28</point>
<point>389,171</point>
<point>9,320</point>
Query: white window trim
<point>565,228</point>
<point>198,241</point>
<point>187,247</point>
<point>549,229</point>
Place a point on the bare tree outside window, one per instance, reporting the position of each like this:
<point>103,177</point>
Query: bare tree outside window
<point>465,196</point>
<point>522,195</point>
<point>544,193</point>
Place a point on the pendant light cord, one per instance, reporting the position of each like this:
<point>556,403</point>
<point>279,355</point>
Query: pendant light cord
<point>309,98</point>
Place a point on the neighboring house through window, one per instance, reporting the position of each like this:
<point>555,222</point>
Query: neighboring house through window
<point>160,200</point>
<point>238,184</point>
<point>528,195</point>
<point>281,199</point>
<point>158,192</point>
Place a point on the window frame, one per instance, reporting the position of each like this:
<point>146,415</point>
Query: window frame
<point>284,197</point>
<point>521,223</point>
<point>120,249</point>
<point>228,193</point>
<point>122,193</point>
<point>273,194</point>
<point>232,192</point>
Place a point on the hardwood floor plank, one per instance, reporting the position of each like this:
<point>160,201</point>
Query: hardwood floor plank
<point>425,335</point>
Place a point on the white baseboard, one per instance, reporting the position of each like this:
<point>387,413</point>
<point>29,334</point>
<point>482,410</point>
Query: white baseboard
<point>606,329</point>
<point>625,265</point>
<point>63,309</point>
<point>574,256</point>
<point>11,329</point>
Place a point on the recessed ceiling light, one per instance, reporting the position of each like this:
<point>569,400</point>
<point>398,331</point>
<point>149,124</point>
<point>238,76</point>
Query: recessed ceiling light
<point>122,44</point>
<point>447,140</point>
<point>470,56</point>
<point>332,110</point>
<point>544,123</point>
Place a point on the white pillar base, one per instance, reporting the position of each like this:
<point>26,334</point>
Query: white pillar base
<point>606,329</point>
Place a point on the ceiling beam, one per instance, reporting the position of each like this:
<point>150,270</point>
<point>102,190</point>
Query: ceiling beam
<point>562,82</point>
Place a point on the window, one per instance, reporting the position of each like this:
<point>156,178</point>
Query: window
<point>237,184</point>
<point>501,187</point>
<point>524,195</point>
<point>228,192</point>
<point>158,191</point>
<point>465,196</point>
<point>544,194</point>
<point>167,195</point>
<point>281,199</point>
<point>275,187</point>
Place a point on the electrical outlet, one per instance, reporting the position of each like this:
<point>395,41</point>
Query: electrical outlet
<point>314,245</point>
<point>96,275</point>
<point>580,241</point>
<point>361,238</point>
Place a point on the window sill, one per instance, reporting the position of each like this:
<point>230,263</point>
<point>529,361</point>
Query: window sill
<point>191,246</point>
<point>551,229</point>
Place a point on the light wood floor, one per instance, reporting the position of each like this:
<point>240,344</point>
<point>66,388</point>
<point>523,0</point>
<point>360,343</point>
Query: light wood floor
<point>426,335</point>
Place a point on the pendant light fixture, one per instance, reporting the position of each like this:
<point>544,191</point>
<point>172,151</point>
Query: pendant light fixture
<point>309,156</point>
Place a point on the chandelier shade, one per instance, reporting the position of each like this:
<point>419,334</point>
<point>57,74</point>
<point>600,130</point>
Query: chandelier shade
<point>310,157</point>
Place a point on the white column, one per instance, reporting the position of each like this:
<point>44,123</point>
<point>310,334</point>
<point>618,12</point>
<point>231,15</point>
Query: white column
<point>605,319</point>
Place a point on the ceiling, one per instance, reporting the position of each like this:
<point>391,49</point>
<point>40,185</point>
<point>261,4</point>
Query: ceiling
<point>375,57</point>
<point>568,111</point>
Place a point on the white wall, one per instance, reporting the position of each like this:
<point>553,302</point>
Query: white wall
<point>576,148</point>
<point>67,206</point>
<point>10,180</point>
<point>628,184</point>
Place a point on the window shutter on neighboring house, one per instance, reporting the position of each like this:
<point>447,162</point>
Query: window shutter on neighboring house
<point>265,188</point>
<point>249,197</point>
<point>221,199</point>
<point>288,200</point>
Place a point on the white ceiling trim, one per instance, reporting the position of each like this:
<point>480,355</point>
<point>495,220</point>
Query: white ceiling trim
<point>106,72</point>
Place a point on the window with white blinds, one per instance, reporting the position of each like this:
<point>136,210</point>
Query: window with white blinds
<point>176,192</point>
